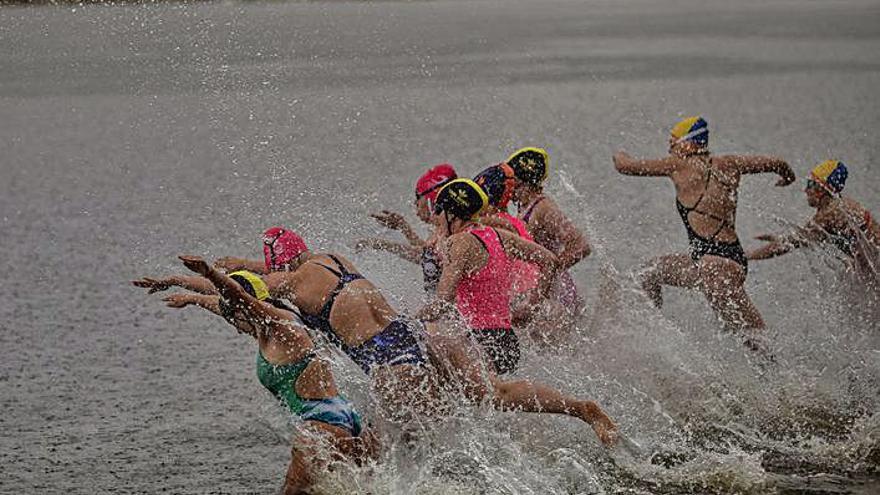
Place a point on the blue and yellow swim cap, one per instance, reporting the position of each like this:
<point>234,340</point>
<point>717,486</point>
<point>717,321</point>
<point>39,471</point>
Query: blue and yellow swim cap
<point>251,283</point>
<point>831,175</point>
<point>693,129</point>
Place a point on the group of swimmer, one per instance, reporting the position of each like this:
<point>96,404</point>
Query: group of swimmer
<point>490,276</point>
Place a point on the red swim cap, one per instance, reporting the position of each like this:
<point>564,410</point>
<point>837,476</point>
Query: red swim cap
<point>430,182</point>
<point>280,246</point>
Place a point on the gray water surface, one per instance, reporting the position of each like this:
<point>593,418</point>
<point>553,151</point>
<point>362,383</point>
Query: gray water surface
<point>132,134</point>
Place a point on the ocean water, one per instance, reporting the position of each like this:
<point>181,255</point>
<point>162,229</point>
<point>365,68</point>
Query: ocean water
<point>131,134</point>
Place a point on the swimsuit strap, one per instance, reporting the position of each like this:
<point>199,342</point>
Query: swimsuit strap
<point>483,242</point>
<point>321,321</point>
<point>345,277</point>
<point>531,208</point>
<point>685,211</point>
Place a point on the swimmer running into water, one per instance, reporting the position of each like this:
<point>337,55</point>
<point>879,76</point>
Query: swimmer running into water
<point>706,197</point>
<point>477,273</point>
<point>548,225</point>
<point>839,221</point>
<point>422,252</point>
<point>287,366</point>
<point>546,320</point>
<point>408,363</point>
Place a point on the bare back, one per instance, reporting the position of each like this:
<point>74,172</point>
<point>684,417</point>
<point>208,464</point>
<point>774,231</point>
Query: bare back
<point>852,224</point>
<point>359,311</point>
<point>706,188</point>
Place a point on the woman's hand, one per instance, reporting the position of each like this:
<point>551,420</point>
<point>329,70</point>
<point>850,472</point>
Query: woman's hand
<point>178,300</point>
<point>228,264</point>
<point>196,264</point>
<point>153,284</point>
<point>390,219</point>
<point>621,158</point>
<point>786,175</point>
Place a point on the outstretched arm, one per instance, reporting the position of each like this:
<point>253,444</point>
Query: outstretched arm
<point>232,264</point>
<point>575,246</point>
<point>460,261</point>
<point>393,220</point>
<point>195,284</point>
<point>764,164</point>
<point>184,299</point>
<point>808,235</point>
<point>406,251</point>
<point>628,165</point>
<point>531,252</point>
<point>234,293</point>
<point>210,303</point>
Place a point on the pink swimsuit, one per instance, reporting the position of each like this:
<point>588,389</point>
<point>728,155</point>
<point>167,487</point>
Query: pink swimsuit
<point>524,275</point>
<point>565,291</point>
<point>483,298</point>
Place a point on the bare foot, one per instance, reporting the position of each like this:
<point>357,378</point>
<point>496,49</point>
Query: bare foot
<point>605,429</point>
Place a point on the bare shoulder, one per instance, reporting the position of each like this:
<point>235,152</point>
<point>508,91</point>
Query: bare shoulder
<point>852,205</point>
<point>546,210</point>
<point>456,243</point>
<point>824,218</point>
<point>835,217</point>
<point>728,163</point>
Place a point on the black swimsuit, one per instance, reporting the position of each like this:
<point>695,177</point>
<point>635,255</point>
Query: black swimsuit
<point>701,246</point>
<point>846,241</point>
<point>430,270</point>
<point>396,344</point>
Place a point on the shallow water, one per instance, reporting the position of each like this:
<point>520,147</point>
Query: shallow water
<point>133,134</point>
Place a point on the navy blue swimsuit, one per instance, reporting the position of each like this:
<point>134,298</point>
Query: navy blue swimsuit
<point>396,344</point>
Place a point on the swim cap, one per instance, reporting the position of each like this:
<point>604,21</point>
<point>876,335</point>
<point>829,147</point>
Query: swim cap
<point>831,175</point>
<point>461,198</point>
<point>432,180</point>
<point>693,129</point>
<point>251,283</point>
<point>497,181</point>
<point>280,246</point>
<point>529,165</point>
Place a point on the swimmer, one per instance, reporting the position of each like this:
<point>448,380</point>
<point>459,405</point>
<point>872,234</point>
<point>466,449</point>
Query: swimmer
<point>288,367</point>
<point>839,221</point>
<point>548,225</point>
<point>547,320</point>
<point>280,246</point>
<point>477,276</point>
<point>409,363</point>
<point>422,252</point>
<point>706,197</point>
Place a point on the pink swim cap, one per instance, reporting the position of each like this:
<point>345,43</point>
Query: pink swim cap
<point>430,183</point>
<point>280,246</point>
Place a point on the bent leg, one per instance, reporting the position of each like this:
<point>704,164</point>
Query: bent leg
<point>524,395</point>
<point>463,364</point>
<point>406,392</point>
<point>551,324</point>
<point>677,270</point>
<point>723,283</point>
<point>298,477</point>
<point>307,459</point>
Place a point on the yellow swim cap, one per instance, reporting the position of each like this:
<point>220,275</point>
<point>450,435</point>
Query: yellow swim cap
<point>529,164</point>
<point>461,198</point>
<point>251,283</point>
<point>694,129</point>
